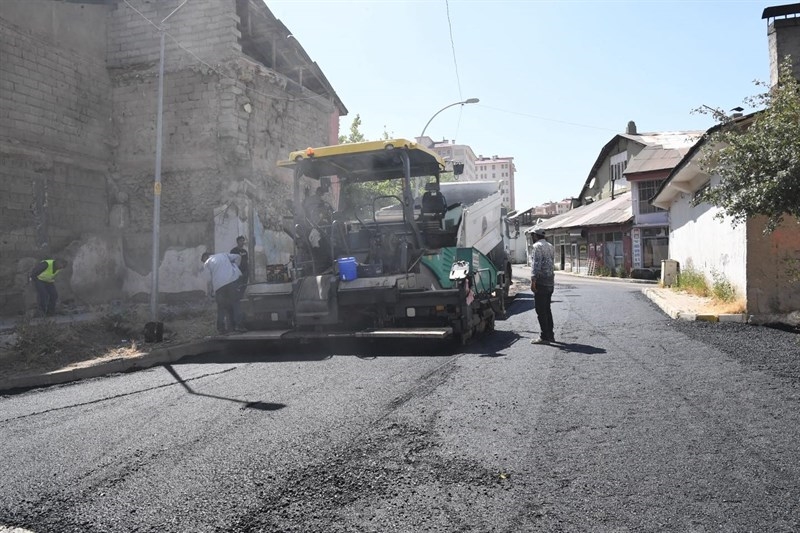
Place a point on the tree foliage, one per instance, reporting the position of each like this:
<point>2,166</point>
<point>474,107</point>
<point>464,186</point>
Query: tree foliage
<point>355,133</point>
<point>357,198</point>
<point>758,157</point>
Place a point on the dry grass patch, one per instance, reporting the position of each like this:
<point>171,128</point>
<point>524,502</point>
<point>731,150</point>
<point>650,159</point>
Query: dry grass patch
<point>722,307</point>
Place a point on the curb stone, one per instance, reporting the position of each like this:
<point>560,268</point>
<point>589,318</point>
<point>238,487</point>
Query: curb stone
<point>670,310</point>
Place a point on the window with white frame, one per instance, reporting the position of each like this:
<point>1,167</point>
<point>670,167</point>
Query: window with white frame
<point>618,164</point>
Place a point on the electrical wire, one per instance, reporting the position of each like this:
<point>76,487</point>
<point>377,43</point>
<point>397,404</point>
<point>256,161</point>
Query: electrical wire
<point>538,117</point>
<point>455,65</point>
<point>453,48</point>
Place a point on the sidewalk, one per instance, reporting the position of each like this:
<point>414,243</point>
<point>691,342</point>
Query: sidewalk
<point>676,304</point>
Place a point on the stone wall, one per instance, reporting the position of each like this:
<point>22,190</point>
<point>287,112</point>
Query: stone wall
<point>77,162</point>
<point>227,121</point>
<point>53,152</point>
<point>224,129</point>
<point>199,32</point>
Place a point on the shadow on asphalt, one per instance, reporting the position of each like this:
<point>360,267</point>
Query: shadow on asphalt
<point>524,302</point>
<point>492,345</point>
<point>258,406</point>
<point>320,350</point>
<point>572,347</point>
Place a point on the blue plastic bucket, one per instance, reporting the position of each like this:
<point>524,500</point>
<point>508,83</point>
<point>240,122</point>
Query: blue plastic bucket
<point>348,268</point>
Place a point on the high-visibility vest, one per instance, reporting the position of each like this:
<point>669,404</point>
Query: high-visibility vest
<point>49,274</point>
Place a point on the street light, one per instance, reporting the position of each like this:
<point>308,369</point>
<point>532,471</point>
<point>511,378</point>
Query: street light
<point>157,177</point>
<point>467,101</point>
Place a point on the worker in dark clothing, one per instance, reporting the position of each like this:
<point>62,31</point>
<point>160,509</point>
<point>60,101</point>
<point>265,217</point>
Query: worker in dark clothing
<point>242,250</point>
<point>43,277</point>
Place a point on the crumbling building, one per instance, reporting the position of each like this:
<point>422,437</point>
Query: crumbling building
<point>78,109</point>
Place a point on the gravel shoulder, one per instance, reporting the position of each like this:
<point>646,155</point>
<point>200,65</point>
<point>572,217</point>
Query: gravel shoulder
<point>768,349</point>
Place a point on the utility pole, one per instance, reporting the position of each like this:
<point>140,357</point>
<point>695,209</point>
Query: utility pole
<point>157,178</point>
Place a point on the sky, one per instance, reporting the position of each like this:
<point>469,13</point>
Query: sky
<point>556,80</point>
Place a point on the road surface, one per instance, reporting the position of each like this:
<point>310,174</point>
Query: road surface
<point>632,422</point>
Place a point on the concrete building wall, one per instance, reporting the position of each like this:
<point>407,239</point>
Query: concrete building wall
<point>55,116</point>
<point>783,38</point>
<point>773,271</point>
<point>706,244</point>
<point>763,268</point>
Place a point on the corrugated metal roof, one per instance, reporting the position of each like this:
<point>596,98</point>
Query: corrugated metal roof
<point>666,139</point>
<point>653,158</point>
<point>520,212</point>
<point>600,213</point>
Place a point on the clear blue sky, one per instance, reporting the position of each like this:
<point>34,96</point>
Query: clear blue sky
<point>556,79</point>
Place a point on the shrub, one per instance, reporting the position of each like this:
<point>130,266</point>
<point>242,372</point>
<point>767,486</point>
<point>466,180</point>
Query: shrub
<point>602,271</point>
<point>693,282</point>
<point>721,288</point>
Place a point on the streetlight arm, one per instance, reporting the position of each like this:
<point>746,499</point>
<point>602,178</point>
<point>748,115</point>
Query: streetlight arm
<point>467,101</point>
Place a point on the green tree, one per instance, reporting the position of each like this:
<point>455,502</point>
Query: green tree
<point>357,197</point>
<point>757,158</point>
<point>355,133</point>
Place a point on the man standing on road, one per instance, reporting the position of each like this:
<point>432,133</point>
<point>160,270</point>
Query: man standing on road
<point>225,274</point>
<point>43,277</point>
<point>542,285</point>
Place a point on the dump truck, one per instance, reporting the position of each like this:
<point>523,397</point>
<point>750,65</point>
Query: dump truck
<point>401,254</point>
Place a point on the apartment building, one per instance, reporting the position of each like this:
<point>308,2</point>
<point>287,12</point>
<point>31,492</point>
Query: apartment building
<point>496,168</point>
<point>452,152</point>
<point>553,208</point>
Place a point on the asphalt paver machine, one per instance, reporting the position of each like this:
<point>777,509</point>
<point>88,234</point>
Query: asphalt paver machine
<point>400,255</point>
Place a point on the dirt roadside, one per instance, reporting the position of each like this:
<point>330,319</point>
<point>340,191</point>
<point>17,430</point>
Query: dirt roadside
<point>81,339</point>
<point>86,338</point>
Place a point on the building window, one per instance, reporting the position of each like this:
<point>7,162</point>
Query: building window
<point>617,169</point>
<point>647,189</point>
<point>699,192</point>
<point>618,164</point>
